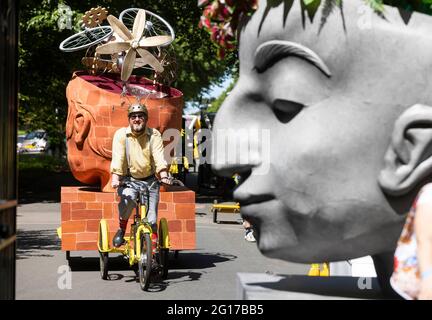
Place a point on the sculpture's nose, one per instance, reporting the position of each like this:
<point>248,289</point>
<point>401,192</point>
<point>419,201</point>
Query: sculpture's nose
<point>234,141</point>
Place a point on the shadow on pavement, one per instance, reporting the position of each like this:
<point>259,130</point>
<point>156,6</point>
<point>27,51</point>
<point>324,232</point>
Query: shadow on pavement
<point>173,277</point>
<point>185,260</point>
<point>197,260</point>
<point>34,243</point>
<point>157,284</point>
<point>117,263</point>
<point>326,286</point>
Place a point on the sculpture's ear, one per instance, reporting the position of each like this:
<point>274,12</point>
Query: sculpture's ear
<point>82,124</point>
<point>409,157</point>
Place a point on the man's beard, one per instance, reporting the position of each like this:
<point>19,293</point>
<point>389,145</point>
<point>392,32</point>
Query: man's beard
<point>138,128</point>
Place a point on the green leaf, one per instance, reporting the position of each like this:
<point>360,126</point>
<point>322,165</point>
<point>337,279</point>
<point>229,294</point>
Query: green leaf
<point>309,2</point>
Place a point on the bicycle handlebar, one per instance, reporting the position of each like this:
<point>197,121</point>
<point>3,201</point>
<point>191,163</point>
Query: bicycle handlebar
<point>174,182</point>
<point>143,196</point>
<point>178,182</point>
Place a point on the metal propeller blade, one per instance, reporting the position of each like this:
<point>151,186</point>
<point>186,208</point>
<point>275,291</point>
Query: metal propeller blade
<point>120,28</point>
<point>154,41</point>
<point>113,47</point>
<point>128,64</point>
<point>139,25</point>
<point>139,62</point>
<point>149,59</point>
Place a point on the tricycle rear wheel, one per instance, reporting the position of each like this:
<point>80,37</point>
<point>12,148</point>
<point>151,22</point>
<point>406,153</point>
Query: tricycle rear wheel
<point>103,262</point>
<point>163,248</point>
<point>163,260</point>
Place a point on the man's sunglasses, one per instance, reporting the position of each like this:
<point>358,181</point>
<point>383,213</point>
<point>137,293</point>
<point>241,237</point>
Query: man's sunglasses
<point>138,116</point>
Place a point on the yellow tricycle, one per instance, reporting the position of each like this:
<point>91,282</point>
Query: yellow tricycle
<point>138,245</point>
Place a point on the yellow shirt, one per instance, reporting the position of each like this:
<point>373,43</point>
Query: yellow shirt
<point>146,153</point>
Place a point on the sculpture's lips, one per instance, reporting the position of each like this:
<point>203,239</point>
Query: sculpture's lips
<point>252,206</point>
<point>246,200</point>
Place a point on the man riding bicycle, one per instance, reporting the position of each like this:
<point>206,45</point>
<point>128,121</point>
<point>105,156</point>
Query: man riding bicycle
<point>137,160</point>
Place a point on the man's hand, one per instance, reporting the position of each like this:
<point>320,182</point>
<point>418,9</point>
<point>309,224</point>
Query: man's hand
<point>115,181</point>
<point>167,180</point>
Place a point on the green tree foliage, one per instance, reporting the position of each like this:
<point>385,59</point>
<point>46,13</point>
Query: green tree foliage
<point>45,70</point>
<point>215,105</point>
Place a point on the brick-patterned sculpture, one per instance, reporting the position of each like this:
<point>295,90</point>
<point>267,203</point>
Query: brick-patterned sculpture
<point>96,111</point>
<point>97,107</point>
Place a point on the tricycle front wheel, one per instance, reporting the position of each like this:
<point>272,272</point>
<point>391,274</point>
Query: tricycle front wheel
<point>145,261</point>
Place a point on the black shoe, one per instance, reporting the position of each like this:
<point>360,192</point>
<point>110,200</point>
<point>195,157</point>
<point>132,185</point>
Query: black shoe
<point>118,238</point>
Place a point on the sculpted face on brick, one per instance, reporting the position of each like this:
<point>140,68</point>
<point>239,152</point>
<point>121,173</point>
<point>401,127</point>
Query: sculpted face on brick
<point>95,111</point>
<point>349,115</point>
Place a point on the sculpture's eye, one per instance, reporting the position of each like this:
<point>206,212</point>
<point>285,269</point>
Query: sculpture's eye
<point>286,110</point>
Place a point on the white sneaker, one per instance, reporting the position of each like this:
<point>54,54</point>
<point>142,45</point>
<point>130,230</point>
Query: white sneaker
<point>250,237</point>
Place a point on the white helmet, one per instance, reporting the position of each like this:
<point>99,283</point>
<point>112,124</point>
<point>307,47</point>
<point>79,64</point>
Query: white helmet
<point>138,108</point>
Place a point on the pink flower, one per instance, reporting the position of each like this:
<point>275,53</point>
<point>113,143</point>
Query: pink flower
<point>221,19</point>
<point>204,22</point>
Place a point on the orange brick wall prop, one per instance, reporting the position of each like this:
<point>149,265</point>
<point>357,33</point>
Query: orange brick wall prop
<point>83,207</point>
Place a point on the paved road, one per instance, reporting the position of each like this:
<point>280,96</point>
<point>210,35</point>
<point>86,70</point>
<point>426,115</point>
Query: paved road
<point>209,272</point>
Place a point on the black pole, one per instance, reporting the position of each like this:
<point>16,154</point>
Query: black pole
<point>8,142</point>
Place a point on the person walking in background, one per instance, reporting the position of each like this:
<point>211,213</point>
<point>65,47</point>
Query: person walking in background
<point>412,276</point>
<point>249,236</point>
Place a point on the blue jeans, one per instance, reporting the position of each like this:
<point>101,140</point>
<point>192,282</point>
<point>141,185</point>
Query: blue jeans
<point>129,195</point>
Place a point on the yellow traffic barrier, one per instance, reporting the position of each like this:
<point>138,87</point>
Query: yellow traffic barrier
<point>224,208</point>
<point>316,271</point>
<point>325,272</point>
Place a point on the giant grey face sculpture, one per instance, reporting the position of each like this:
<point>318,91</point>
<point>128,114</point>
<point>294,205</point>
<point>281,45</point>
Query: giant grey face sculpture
<point>350,122</point>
